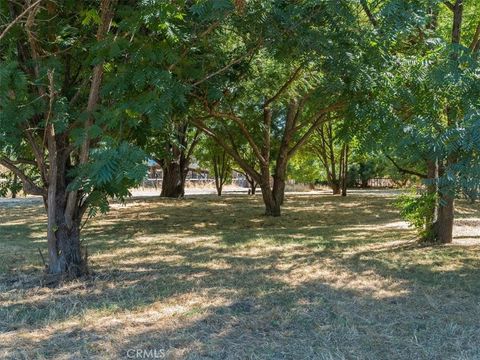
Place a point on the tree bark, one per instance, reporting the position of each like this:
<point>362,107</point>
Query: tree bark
<point>220,169</point>
<point>335,187</point>
<point>14,187</point>
<point>173,183</point>
<point>65,255</point>
<point>445,216</point>
<point>431,218</point>
<point>218,173</point>
<point>344,166</point>
<point>252,183</point>
<point>272,205</point>
<point>64,251</point>
<point>439,223</point>
<point>175,165</point>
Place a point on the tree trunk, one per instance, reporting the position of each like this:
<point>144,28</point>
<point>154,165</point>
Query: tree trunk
<point>431,217</point>
<point>65,255</point>
<point>272,195</point>
<point>439,223</point>
<point>344,170</point>
<point>279,189</point>
<point>14,186</point>
<point>253,188</point>
<point>443,228</point>
<point>272,206</point>
<point>253,184</point>
<point>220,171</point>
<point>445,216</point>
<point>335,187</point>
<point>175,165</point>
<point>64,251</point>
<point>173,183</point>
<point>445,207</point>
<point>218,182</point>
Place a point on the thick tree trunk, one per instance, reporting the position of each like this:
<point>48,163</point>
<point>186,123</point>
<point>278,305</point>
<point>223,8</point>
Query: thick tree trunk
<point>335,186</point>
<point>445,216</point>
<point>175,165</point>
<point>274,194</point>
<point>279,189</point>
<point>270,194</point>
<point>173,183</point>
<point>445,207</point>
<point>65,255</point>
<point>64,251</point>
<point>272,206</point>
<point>14,186</point>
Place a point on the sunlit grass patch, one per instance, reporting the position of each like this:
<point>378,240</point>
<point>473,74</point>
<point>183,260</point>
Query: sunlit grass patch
<point>210,277</point>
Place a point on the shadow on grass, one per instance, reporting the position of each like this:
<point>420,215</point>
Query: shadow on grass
<point>373,293</point>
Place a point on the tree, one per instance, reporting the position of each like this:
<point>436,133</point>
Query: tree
<point>213,157</point>
<point>167,57</point>
<point>428,100</point>
<point>295,74</point>
<point>172,148</point>
<point>306,168</point>
<point>332,152</point>
<point>56,133</point>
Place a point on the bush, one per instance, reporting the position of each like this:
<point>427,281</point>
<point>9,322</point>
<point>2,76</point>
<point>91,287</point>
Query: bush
<point>417,210</point>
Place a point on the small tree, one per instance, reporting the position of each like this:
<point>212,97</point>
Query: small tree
<point>332,151</point>
<point>213,157</point>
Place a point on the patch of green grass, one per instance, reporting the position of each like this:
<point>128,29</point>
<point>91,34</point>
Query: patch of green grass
<point>210,277</point>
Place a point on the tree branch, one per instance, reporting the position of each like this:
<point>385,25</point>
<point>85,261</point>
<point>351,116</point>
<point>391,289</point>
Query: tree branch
<point>284,87</point>
<point>449,5</point>
<point>106,9</point>
<point>244,131</point>
<point>223,69</point>
<point>196,139</point>
<point>231,151</point>
<point>17,19</point>
<point>28,185</point>
<point>406,171</point>
<point>369,14</point>
<point>476,39</point>
<point>320,118</point>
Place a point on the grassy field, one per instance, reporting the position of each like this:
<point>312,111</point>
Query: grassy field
<point>210,278</point>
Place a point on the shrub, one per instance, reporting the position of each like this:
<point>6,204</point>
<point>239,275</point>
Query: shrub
<point>417,210</point>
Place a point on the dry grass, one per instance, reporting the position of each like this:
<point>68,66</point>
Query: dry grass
<point>209,278</point>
